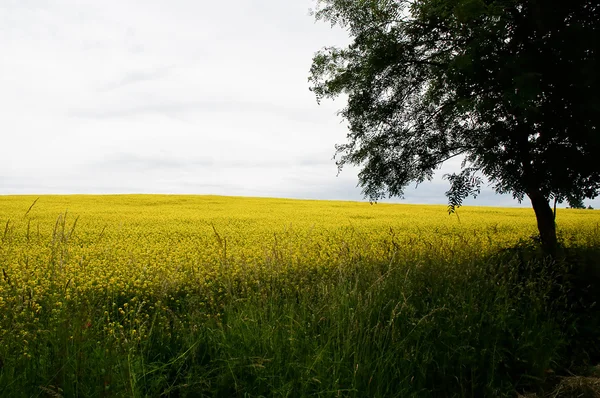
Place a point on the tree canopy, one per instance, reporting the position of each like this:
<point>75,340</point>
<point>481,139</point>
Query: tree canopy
<point>511,86</point>
<point>576,203</point>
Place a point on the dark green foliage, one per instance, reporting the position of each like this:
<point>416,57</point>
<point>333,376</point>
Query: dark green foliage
<point>509,85</point>
<point>462,185</point>
<point>576,203</point>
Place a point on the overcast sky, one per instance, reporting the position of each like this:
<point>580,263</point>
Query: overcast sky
<point>157,96</point>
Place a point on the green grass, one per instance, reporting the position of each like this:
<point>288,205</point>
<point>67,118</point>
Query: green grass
<point>482,327</point>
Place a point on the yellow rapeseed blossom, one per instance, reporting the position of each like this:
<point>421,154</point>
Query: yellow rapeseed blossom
<point>134,258</point>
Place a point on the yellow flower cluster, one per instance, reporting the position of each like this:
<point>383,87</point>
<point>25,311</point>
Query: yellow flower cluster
<point>116,260</point>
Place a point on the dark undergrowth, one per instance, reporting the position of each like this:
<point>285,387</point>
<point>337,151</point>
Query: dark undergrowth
<point>512,323</point>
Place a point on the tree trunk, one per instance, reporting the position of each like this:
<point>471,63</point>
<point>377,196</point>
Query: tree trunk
<point>545,221</point>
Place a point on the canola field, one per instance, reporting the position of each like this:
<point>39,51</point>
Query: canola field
<point>154,243</point>
<point>116,267</point>
<point>158,245</point>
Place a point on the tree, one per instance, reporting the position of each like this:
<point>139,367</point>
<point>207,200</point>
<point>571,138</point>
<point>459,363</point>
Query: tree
<point>576,203</point>
<point>511,86</point>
